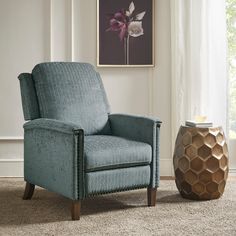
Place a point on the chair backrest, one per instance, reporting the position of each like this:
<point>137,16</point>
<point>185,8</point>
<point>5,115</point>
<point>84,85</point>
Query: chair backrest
<point>66,91</point>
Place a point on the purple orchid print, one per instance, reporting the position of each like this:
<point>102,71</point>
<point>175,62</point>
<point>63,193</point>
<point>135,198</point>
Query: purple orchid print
<point>127,24</point>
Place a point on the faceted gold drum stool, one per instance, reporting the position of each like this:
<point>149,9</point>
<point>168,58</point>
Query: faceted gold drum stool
<point>201,162</point>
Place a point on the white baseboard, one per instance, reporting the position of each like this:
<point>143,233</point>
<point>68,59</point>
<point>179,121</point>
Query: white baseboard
<point>14,167</point>
<point>232,171</point>
<point>11,167</point>
<point>166,167</point>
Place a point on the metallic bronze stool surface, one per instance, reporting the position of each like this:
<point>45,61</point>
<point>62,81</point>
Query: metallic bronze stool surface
<point>201,162</point>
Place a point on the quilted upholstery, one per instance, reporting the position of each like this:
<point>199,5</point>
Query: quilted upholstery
<point>72,92</point>
<point>104,152</point>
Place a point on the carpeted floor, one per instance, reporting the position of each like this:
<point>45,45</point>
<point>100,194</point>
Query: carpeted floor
<point>116,214</point>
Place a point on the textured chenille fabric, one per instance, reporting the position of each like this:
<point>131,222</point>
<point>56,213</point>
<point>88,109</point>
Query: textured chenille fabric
<point>51,156</point>
<point>102,152</point>
<point>29,97</point>
<point>72,92</point>
<point>142,129</point>
<point>73,145</point>
<point>108,181</point>
<point>52,125</point>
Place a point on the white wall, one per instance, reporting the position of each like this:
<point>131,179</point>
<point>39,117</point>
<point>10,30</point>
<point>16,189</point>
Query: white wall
<point>33,31</point>
<point>24,42</point>
<point>232,157</point>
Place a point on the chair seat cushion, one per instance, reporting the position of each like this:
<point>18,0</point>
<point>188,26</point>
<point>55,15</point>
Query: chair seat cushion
<point>103,152</point>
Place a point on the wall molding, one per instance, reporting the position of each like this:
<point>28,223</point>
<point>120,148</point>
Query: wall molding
<point>166,167</point>
<point>232,170</point>
<point>72,29</point>
<point>11,138</point>
<point>50,30</point>
<point>11,167</point>
<point>151,100</point>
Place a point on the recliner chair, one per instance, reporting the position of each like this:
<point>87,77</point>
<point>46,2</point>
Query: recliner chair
<point>73,145</point>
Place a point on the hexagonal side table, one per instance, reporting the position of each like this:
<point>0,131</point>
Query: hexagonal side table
<point>201,162</point>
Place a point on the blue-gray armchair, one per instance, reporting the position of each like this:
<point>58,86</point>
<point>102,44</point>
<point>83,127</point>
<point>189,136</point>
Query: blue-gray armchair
<point>74,146</point>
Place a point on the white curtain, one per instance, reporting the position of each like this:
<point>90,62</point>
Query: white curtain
<point>199,64</point>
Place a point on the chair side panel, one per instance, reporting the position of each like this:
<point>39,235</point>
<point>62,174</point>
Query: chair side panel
<point>28,97</point>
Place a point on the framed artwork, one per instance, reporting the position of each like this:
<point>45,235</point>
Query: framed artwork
<point>125,33</point>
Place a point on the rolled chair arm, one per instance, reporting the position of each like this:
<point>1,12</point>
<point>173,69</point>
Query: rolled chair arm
<point>138,128</point>
<point>52,124</point>
<point>53,156</point>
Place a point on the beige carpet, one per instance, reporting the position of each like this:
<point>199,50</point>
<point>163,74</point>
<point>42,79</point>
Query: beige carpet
<point>116,214</point>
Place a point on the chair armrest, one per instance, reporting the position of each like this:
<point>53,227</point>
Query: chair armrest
<point>52,124</point>
<point>138,128</point>
<point>53,156</point>
<point>142,129</point>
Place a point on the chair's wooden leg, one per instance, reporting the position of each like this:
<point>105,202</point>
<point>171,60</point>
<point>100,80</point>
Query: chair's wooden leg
<point>29,191</point>
<point>151,196</point>
<point>75,210</point>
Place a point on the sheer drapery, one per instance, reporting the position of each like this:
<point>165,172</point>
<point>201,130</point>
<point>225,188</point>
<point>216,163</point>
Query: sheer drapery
<point>199,64</point>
